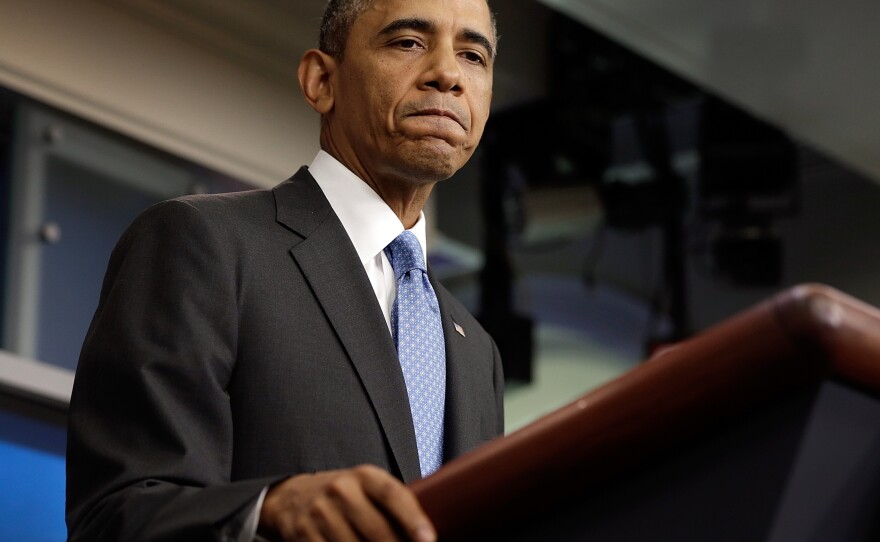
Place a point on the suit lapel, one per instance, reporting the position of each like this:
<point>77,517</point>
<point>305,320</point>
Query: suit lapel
<point>460,434</point>
<point>330,264</point>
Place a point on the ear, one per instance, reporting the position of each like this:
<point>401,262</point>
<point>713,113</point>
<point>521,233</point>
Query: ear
<point>314,72</point>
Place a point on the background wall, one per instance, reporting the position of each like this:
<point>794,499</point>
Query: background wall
<point>100,61</point>
<point>806,65</point>
<point>214,83</point>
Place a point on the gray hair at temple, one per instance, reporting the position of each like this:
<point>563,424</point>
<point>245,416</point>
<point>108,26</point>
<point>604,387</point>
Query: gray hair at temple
<point>338,18</point>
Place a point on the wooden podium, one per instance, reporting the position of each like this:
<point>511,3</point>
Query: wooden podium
<point>764,428</point>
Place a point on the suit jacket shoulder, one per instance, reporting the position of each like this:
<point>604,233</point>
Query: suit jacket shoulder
<point>238,341</point>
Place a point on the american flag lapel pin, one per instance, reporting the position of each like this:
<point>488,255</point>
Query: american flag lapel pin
<point>459,329</point>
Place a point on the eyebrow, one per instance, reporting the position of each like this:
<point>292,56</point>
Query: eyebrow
<point>428,27</point>
<point>478,38</point>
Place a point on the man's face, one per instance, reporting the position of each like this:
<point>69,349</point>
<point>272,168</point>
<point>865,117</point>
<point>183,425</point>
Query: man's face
<point>412,94</point>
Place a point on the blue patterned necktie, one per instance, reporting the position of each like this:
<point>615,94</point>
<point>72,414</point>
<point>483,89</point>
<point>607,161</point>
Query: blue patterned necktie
<point>418,336</point>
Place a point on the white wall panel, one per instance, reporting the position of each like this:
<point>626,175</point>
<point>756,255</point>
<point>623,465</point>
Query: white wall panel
<point>102,64</point>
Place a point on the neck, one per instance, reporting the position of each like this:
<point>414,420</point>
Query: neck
<point>407,205</point>
<point>406,197</point>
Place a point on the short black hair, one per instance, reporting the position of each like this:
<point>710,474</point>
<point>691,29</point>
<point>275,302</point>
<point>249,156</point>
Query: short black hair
<point>340,15</point>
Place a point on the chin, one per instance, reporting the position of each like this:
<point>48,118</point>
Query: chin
<point>435,161</point>
<point>432,168</point>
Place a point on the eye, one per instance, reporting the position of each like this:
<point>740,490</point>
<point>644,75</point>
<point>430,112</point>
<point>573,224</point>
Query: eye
<point>476,58</point>
<point>408,43</point>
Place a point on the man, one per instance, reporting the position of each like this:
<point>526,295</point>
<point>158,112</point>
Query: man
<point>246,361</point>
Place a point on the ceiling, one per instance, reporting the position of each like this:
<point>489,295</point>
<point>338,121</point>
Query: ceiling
<point>805,59</point>
<point>266,36</point>
<point>269,36</point>
<point>807,66</point>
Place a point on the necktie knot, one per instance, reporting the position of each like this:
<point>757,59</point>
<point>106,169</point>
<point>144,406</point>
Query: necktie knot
<point>405,254</point>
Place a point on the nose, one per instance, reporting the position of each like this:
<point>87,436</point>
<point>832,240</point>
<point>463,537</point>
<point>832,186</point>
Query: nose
<point>443,72</point>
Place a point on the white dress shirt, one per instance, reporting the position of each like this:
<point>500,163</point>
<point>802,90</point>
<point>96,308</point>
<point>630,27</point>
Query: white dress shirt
<point>369,222</point>
<point>371,225</point>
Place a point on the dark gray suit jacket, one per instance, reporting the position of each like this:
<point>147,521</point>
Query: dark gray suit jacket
<point>238,341</point>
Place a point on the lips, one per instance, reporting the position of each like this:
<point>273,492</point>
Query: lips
<point>438,113</point>
<point>434,111</point>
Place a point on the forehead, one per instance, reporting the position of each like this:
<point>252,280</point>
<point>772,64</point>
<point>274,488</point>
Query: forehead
<point>457,15</point>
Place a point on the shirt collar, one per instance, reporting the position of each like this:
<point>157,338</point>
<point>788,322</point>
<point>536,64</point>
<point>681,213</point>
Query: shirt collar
<point>368,220</point>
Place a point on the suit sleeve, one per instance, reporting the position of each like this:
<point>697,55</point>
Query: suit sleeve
<point>150,430</point>
<point>498,382</point>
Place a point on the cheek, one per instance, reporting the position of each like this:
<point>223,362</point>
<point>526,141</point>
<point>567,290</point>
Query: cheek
<point>481,97</point>
<point>373,110</point>
<point>370,87</point>
<point>480,112</point>
<point>389,82</point>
